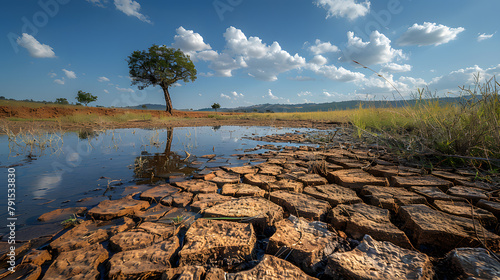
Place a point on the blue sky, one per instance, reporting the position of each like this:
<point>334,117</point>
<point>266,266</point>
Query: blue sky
<point>248,52</point>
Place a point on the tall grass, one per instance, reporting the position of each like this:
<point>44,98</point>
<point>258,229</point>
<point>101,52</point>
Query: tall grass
<point>340,116</point>
<point>467,130</point>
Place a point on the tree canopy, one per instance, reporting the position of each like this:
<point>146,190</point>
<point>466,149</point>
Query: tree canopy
<point>85,97</point>
<point>215,106</point>
<point>160,66</point>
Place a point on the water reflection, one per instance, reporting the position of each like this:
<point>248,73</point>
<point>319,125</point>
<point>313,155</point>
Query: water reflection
<point>88,134</point>
<point>151,168</point>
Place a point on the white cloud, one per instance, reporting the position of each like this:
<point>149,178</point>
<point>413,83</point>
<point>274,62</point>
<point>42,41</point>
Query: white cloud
<point>377,50</point>
<point>323,47</point>
<point>261,61</point>
<point>236,95</point>
<point>222,95</point>
<point>304,93</point>
<point>394,67</point>
<point>264,62</point>
<point>131,8</point>
<point>102,79</point>
<point>327,94</point>
<point>375,85</point>
<point>350,9</point>
<point>98,3</point>
<point>319,60</point>
<point>484,36</point>
<point>35,48</point>
<point>271,95</point>
<point>189,42</point>
<point>429,34</point>
<point>224,65</point>
<point>52,75</point>
<point>463,77</point>
<point>336,74</point>
<point>125,89</point>
<point>69,74</point>
<point>59,81</point>
<point>106,91</point>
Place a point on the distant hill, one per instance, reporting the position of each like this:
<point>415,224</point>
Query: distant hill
<point>331,106</point>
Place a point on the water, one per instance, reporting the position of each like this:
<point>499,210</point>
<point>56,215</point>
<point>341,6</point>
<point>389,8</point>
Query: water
<point>80,165</point>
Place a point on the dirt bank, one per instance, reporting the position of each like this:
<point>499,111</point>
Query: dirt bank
<point>53,118</point>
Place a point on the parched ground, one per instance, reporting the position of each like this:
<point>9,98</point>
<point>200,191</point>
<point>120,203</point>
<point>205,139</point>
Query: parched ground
<point>17,118</point>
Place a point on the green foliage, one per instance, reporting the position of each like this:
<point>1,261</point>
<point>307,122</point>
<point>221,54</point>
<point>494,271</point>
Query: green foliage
<point>71,221</point>
<point>85,97</point>
<point>215,106</point>
<point>62,101</point>
<point>160,66</point>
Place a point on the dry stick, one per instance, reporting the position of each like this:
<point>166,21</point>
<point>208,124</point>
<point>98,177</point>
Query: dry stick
<point>484,235</point>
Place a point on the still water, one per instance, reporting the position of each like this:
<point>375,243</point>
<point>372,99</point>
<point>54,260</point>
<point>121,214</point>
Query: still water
<point>84,164</point>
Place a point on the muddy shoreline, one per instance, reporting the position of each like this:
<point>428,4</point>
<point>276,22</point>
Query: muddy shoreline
<point>53,126</point>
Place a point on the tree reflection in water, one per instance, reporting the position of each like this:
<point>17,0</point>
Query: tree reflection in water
<point>151,168</point>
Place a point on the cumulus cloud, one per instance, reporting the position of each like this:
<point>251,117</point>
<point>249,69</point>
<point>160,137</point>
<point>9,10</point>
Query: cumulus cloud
<point>319,60</point>
<point>52,75</point>
<point>59,81</point>
<point>106,91</point>
<point>461,77</point>
<point>304,93</point>
<point>102,79</point>
<point>236,95</point>
<point>335,73</point>
<point>394,67</point>
<point>333,94</point>
<point>350,9</point>
<point>405,85</point>
<point>35,48</point>
<point>131,8</point>
<point>129,90</point>
<point>484,36</point>
<point>261,61</point>
<point>271,95</point>
<point>429,34</point>
<point>323,47</point>
<point>69,74</point>
<point>377,50</point>
<point>189,42</point>
<point>222,95</point>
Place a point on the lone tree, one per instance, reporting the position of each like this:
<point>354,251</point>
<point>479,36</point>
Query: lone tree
<point>63,101</point>
<point>215,106</point>
<point>160,66</point>
<point>85,97</point>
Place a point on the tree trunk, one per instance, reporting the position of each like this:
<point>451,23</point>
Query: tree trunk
<point>167,99</point>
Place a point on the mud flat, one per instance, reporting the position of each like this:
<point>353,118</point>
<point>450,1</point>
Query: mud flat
<point>301,213</point>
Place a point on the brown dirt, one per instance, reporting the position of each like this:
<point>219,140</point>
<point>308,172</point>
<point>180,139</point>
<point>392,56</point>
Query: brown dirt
<point>47,118</point>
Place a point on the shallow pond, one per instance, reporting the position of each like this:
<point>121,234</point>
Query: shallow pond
<point>73,166</point>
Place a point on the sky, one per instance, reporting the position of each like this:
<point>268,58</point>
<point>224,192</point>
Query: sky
<point>249,52</point>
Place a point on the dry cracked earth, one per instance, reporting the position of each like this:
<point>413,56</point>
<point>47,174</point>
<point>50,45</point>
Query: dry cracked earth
<point>294,213</point>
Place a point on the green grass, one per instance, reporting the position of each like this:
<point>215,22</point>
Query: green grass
<point>333,116</point>
<point>469,129</point>
<point>15,119</point>
<point>119,118</point>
